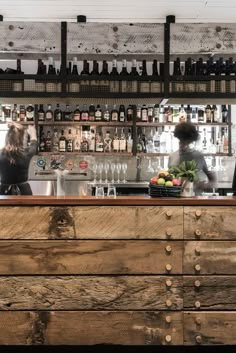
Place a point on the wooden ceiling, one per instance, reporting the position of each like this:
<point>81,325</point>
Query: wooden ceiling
<point>119,10</point>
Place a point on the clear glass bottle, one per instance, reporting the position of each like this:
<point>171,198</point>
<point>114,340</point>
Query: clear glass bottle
<point>107,142</point>
<point>62,142</point>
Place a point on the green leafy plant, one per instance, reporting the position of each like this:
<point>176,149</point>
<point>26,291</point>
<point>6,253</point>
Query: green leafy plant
<point>186,169</point>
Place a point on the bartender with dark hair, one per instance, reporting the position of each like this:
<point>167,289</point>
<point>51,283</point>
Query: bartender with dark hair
<point>15,158</point>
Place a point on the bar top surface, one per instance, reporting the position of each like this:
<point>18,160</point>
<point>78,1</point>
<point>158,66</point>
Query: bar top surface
<point>118,201</point>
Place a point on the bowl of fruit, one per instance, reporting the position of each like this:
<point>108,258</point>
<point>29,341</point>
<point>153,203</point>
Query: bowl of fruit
<point>165,184</point>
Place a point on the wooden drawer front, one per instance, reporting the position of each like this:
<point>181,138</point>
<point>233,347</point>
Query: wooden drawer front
<point>89,222</point>
<point>91,293</point>
<point>90,257</point>
<point>209,257</point>
<point>210,222</point>
<point>209,292</point>
<point>210,328</point>
<point>90,328</point>
<point>129,222</point>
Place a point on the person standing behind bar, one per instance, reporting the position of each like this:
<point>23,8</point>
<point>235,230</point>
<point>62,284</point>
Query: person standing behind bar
<point>15,158</point>
<point>187,133</point>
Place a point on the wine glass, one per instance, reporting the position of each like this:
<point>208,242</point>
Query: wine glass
<point>106,168</point>
<point>94,169</point>
<point>113,168</point>
<point>124,167</point>
<point>118,169</point>
<point>150,168</point>
<point>100,169</point>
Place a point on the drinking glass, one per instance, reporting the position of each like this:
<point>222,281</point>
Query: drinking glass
<point>118,169</point>
<point>100,169</point>
<point>113,168</point>
<point>150,168</point>
<point>106,169</point>
<point>99,191</point>
<point>111,191</point>
<point>124,167</point>
<point>94,169</point>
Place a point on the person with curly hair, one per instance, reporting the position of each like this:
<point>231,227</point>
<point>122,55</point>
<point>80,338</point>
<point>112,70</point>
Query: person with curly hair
<point>15,158</point>
<point>187,134</point>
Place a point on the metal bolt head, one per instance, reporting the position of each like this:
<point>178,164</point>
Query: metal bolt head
<point>197,304</point>
<point>168,249</point>
<point>168,283</point>
<point>168,267</point>
<point>198,213</point>
<point>197,268</point>
<point>197,283</point>
<point>168,338</point>
<point>168,319</point>
<point>198,339</point>
<point>168,303</point>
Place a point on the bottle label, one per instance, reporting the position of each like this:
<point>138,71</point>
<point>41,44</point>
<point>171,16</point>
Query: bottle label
<point>41,116</point>
<point>122,145</point>
<point>48,116</point>
<point>77,116</point>
<point>116,145</point>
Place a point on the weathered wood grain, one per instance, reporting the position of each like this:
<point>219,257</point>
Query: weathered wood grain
<point>211,292</point>
<point>209,257</point>
<point>90,293</point>
<point>89,328</point>
<point>90,257</point>
<point>210,222</point>
<point>91,222</point>
<point>115,38</point>
<point>30,37</point>
<point>210,328</point>
<point>128,222</point>
<point>210,38</point>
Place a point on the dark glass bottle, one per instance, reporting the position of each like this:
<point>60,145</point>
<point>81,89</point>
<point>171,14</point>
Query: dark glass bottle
<point>58,113</point>
<point>122,116</point>
<point>67,114</point>
<point>41,113</point>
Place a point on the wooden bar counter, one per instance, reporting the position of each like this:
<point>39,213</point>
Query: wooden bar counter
<point>124,271</point>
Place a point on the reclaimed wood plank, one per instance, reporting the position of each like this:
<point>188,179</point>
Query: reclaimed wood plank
<point>91,293</point>
<point>90,257</point>
<point>205,38</point>
<point>210,328</point>
<point>210,222</point>
<point>90,328</point>
<point>209,292</point>
<point>209,257</point>
<point>30,37</point>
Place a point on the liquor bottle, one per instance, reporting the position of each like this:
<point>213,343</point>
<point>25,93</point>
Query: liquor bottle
<point>225,141</point>
<point>22,114</point>
<point>204,142</point>
<point>48,142</point>
<point>182,114</point>
<point>144,113</point>
<point>121,116</point>
<point>95,82</point>
<point>114,83</point>
<point>208,114</point>
<point>57,113</point>
<point>163,141</point>
<point>139,146</point>
<point>7,112</point>
<point>150,113</point>
<point>130,113</point>
<point>85,84</point>
<point>98,113</point>
<point>2,117</point>
<point>42,144</point>
<point>55,141</point>
<point>177,86</point>
<point>201,70</point>
<point>138,112</point>
<point>106,113</point>
<point>155,86</point>
<point>114,113</point>
<point>69,142</point>
<point>156,141</point>
<point>116,142</point>
<point>40,84</point>
<point>104,83</point>
<point>144,85</point>
<point>124,73</point>
<point>189,113</point>
<point>201,115</point>
<point>144,139</point>
<point>161,114</point>
<point>230,85</point>
<point>14,113</point>
<point>74,85</point>
<point>68,68</point>
<point>76,142</point>
<point>41,113</point>
<point>156,112</point>
<point>133,85</point>
<point>67,114</point>
<point>194,115</point>
<point>224,114</point>
<point>51,85</point>
<point>169,140</point>
<point>99,145</point>
<point>84,113</point>
<point>18,85</point>
<point>129,142</point>
<point>85,70</point>
<point>215,114</point>
<point>211,70</point>
<point>189,71</point>
<point>169,115</point>
<point>91,140</point>
<point>150,143</point>
<point>62,142</point>
<point>107,142</point>
<point>49,113</point>
<point>30,113</point>
<point>122,141</point>
<point>76,113</point>
<point>84,147</point>
<point>91,112</point>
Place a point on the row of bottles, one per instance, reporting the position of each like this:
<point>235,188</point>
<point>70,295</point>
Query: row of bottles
<point>141,113</point>
<point>214,70</point>
<point>85,139</point>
